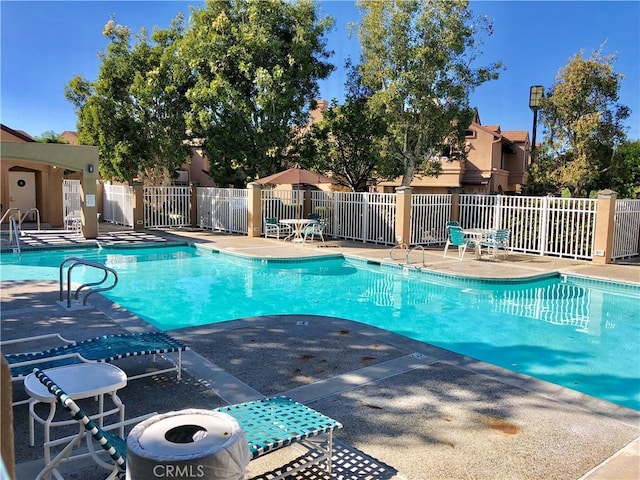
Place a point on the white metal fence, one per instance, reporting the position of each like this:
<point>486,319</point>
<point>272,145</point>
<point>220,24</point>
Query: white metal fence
<point>561,227</point>
<point>117,204</point>
<point>223,209</point>
<point>429,215</point>
<point>166,207</point>
<point>282,203</point>
<point>627,229</point>
<point>359,216</point>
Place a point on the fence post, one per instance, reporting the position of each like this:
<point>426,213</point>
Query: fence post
<point>193,207</point>
<point>605,224</point>
<point>497,213</point>
<point>403,215</point>
<point>455,207</point>
<point>138,206</point>
<point>543,226</point>
<point>254,214</point>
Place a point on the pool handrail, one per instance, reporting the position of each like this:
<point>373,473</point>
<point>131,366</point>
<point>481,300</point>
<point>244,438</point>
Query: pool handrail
<point>81,261</point>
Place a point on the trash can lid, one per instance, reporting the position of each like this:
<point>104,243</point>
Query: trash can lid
<point>188,432</point>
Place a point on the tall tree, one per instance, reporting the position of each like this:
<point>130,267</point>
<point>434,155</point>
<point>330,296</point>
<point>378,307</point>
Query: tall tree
<point>257,66</point>
<point>134,111</point>
<point>418,58</point>
<point>623,173</point>
<point>50,137</point>
<point>348,141</point>
<point>583,122</point>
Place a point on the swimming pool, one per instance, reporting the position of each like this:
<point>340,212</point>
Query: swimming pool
<point>579,334</point>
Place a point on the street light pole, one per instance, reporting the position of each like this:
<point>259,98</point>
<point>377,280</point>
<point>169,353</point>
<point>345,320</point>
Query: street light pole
<point>536,92</point>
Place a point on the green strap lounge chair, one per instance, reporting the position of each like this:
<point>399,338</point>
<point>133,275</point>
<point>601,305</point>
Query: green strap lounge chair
<point>276,422</point>
<point>268,424</point>
<point>113,444</point>
<point>99,349</point>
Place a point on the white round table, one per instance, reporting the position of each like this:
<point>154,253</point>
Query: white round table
<point>82,380</point>
<point>297,224</point>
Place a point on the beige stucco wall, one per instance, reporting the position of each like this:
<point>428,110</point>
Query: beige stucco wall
<point>198,167</point>
<point>49,160</point>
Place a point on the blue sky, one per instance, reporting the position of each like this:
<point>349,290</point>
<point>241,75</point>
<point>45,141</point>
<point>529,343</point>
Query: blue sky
<point>45,44</point>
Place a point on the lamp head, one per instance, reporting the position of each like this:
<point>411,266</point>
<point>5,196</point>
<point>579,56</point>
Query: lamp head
<point>536,92</point>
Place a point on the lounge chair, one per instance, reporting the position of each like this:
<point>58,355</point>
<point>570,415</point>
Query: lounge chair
<point>497,240</point>
<point>114,445</point>
<point>99,349</point>
<point>269,424</point>
<point>272,226</point>
<point>276,422</point>
<point>457,239</point>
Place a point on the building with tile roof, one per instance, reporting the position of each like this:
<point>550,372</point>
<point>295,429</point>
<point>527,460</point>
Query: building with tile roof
<point>496,163</point>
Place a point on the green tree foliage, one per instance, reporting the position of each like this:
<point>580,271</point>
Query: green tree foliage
<point>583,124</point>
<point>418,58</point>
<point>50,137</point>
<point>257,66</point>
<point>134,111</point>
<point>623,174</point>
<point>347,142</point>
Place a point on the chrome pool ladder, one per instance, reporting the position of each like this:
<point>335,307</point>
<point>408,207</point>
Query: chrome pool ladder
<point>405,247</point>
<point>74,262</point>
<point>14,235</point>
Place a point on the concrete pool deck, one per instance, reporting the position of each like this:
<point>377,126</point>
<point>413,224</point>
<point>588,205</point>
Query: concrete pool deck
<point>410,410</point>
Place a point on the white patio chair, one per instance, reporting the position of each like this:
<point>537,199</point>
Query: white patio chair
<point>273,228</point>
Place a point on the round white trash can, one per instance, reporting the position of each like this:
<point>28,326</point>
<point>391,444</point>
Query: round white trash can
<point>187,445</point>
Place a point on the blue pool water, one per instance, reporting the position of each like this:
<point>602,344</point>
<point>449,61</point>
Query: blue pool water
<point>579,334</point>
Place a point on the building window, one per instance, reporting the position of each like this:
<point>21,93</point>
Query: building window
<point>470,134</point>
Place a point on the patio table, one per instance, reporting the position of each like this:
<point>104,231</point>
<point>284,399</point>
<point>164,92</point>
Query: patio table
<point>83,380</point>
<point>297,224</point>
<point>478,235</point>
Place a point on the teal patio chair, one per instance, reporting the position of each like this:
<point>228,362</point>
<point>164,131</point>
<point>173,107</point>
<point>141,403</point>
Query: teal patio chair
<point>457,239</point>
<point>314,229</point>
<point>497,240</point>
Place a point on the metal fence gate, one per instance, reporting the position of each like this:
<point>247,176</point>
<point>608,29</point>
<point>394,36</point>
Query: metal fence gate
<point>71,206</point>
<point>117,204</point>
<point>223,209</point>
<point>627,229</point>
<point>166,207</point>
